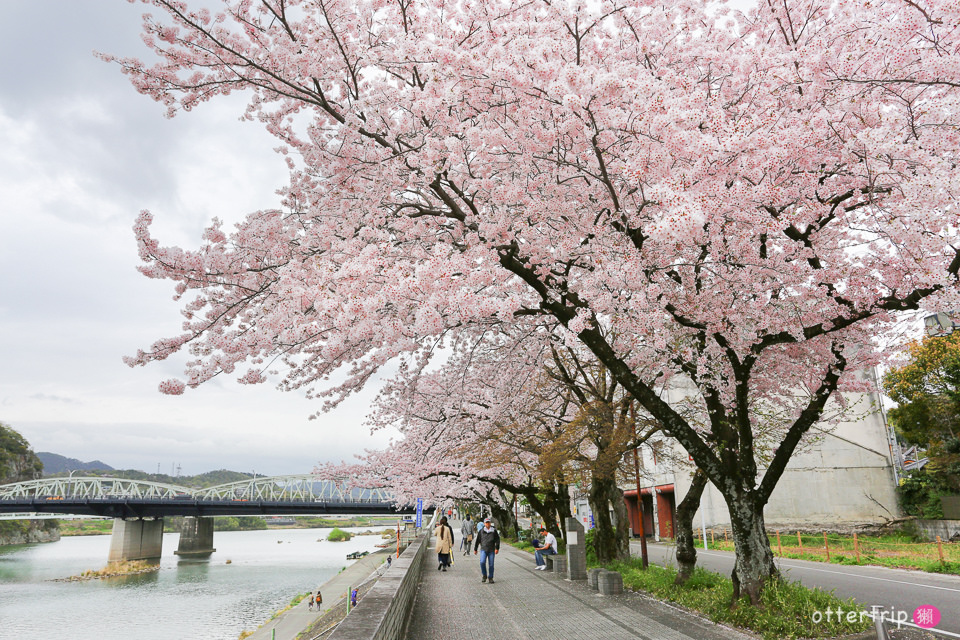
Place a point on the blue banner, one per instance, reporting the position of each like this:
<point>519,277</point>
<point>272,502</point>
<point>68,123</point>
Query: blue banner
<point>419,512</point>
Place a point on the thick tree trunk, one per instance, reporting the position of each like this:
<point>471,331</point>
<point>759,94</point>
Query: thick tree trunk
<point>612,540</point>
<point>502,517</point>
<point>686,551</point>
<point>554,508</point>
<point>510,525</point>
<point>754,564</point>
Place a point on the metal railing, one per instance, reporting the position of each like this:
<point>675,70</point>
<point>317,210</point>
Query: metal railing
<point>290,489</point>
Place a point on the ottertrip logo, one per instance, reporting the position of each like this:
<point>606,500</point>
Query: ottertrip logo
<point>925,616</point>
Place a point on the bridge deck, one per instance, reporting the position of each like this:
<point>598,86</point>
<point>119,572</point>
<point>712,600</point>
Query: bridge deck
<point>155,508</point>
<point>523,603</point>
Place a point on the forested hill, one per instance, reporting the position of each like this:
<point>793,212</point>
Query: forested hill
<point>18,462</point>
<point>54,463</point>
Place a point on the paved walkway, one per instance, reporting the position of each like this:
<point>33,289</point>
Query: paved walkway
<point>523,603</point>
<point>292,622</point>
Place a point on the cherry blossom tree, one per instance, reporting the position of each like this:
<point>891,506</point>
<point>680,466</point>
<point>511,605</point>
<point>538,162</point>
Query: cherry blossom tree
<point>485,418</point>
<point>744,198</point>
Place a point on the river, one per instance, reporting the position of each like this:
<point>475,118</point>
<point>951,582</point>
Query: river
<point>184,600</point>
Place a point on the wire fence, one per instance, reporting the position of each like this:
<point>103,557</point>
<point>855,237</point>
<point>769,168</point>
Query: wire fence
<point>853,549</point>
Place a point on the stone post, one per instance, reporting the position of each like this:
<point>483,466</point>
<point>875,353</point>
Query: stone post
<point>576,550</point>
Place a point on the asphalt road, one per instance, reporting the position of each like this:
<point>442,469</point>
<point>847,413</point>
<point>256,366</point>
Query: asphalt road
<point>894,590</point>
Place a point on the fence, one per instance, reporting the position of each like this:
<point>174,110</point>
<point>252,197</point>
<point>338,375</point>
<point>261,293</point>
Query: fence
<point>848,549</point>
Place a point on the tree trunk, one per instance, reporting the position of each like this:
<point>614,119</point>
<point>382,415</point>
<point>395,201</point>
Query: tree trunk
<point>754,564</point>
<point>563,507</point>
<point>554,508</point>
<point>612,540</point>
<point>503,518</point>
<point>510,523</point>
<point>686,551</point>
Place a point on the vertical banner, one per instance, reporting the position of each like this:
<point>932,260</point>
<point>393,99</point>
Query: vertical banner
<point>419,512</point>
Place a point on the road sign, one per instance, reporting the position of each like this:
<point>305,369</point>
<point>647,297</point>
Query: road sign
<point>419,512</point>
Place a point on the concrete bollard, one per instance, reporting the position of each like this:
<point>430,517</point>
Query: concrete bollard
<point>592,575</point>
<point>610,583</point>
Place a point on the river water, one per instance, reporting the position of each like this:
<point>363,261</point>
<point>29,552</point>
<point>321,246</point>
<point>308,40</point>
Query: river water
<point>184,600</point>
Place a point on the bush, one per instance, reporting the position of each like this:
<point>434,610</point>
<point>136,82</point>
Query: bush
<point>590,544</point>
<point>920,494</point>
<point>339,535</point>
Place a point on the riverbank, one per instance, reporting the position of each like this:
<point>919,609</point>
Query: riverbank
<point>292,623</point>
<point>17,532</point>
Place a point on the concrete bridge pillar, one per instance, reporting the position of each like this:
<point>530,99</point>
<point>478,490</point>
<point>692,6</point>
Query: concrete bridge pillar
<point>136,539</point>
<point>196,537</point>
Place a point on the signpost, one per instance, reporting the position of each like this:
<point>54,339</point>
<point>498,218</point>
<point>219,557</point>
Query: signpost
<point>419,512</point>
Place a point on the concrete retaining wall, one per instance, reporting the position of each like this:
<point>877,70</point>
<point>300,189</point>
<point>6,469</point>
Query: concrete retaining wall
<point>382,613</point>
<point>946,529</point>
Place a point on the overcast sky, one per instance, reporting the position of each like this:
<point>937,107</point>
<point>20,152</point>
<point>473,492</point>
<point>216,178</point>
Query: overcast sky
<point>81,153</point>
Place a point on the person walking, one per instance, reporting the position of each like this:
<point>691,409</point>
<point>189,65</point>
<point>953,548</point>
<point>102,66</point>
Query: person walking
<point>319,600</point>
<point>488,542</point>
<point>444,536</point>
<point>466,533</point>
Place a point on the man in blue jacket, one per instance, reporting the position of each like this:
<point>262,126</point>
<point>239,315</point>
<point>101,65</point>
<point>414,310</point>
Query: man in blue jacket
<point>488,542</point>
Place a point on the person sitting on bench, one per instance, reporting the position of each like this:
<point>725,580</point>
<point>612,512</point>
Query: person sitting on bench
<point>548,548</point>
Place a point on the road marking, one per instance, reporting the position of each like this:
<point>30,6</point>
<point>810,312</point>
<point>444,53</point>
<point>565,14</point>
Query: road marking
<point>802,567</point>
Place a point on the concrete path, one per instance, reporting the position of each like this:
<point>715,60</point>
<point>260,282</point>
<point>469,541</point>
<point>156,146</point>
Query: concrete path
<point>290,623</point>
<point>890,589</point>
<point>523,603</point>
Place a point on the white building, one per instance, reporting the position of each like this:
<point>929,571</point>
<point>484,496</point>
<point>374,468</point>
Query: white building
<point>846,476</point>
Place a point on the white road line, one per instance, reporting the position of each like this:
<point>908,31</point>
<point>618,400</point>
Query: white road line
<point>842,573</point>
<point>860,575</point>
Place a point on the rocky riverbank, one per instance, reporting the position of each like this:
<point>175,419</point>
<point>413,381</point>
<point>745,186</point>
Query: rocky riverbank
<point>14,532</point>
<point>115,570</point>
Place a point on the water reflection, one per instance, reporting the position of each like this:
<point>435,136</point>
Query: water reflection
<point>186,598</point>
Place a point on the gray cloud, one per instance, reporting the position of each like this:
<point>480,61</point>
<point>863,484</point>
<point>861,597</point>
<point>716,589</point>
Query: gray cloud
<point>83,153</point>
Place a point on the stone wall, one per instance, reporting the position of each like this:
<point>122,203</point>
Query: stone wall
<point>946,529</point>
<point>382,613</point>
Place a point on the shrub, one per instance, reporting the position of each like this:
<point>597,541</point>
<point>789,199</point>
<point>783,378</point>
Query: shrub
<point>339,535</point>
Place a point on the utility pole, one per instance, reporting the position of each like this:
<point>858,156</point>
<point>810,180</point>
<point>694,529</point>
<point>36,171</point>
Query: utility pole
<point>636,469</point>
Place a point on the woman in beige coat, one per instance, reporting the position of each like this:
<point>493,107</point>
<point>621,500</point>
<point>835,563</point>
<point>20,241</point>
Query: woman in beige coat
<point>444,535</point>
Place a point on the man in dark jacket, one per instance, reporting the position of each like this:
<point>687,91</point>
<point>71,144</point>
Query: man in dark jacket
<point>488,541</point>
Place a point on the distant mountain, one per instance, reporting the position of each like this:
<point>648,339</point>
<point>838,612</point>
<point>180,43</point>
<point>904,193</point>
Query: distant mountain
<point>55,463</point>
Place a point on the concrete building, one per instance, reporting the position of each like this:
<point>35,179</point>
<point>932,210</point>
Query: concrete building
<point>846,476</point>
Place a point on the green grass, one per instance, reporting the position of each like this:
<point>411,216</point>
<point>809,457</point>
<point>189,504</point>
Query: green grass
<point>356,521</point>
<point>523,545</point>
<point>900,551</point>
<point>339,535</point>
<point>85,527</point>
<point>297,599</point>
<point>787,608</point>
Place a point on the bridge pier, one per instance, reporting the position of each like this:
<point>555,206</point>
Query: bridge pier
<point>196,537</point>
<point>136,539</point>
